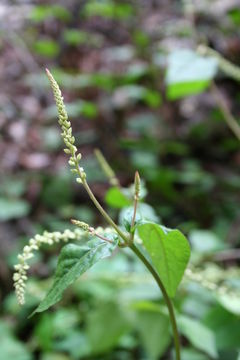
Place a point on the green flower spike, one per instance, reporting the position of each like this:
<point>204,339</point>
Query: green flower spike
<point>66,127</point>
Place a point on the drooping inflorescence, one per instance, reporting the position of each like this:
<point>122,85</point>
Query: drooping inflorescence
<point>20,275</point>
<point>66,127</point>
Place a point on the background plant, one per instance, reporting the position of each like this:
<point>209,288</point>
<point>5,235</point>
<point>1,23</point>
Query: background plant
<point>182,148</point>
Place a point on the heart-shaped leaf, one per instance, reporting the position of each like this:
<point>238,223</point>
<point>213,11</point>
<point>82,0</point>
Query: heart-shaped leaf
<point>169,251</point>
<point>73,261</point>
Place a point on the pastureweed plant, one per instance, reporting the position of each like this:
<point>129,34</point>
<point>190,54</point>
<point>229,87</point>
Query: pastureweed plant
<point>165,252</point>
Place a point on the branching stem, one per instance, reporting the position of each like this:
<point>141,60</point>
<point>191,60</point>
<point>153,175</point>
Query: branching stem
<point>103,212</point>
<point>144,260</point>
<point>103,238</point>
<point>228,117</point>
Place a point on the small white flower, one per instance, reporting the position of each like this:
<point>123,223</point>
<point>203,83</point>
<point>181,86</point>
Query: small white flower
<point>20,276</point>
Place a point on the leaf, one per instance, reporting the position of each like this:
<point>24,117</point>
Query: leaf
<point>230,301</point>
<point>73,261</point>
<point>115,198</point>
<point>41,13</point>
<point>47,48</point>
<point>199,335</point>
<point>11,348</point>
<point>13,209</point>
<point>190,354</point>
<point>108,9</point>
<point>225,326</point>
<point>188,73</point>
<point>105,326</point>
<point>169,251</point>
<point>204,241</point>
<point>75,343</point>
<point>156,341</point>
<point>144,213</point>
<point>179,90</point>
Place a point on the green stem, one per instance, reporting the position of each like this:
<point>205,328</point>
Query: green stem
<point>103,212</point>
<point>166,298</point>
<point>144,260</point>
<point>113,180</point>
<point>133,219</point>
<point>229,118</point>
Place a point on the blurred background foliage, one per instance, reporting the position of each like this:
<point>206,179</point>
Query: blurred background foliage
<point>135,88</point>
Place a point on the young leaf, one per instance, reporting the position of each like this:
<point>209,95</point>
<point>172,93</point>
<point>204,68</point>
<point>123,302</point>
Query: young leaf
<point>73,261</point>
<point>115,198</point>
<point>169,251</point>
<point>144,213</point>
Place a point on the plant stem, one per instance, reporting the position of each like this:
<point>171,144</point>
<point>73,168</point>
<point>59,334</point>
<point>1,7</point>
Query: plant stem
<point>133,218</point>
<point>113,180</point>
<point>229,118</point>
<point>103,238</point>
<point>166,298</point>
<point>226,66</point>
<point>103,212</point>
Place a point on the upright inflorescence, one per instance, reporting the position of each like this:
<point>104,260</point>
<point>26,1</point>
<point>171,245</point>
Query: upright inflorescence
<point>137,186</point>
<point>66,127</point>
<point>20,275</point>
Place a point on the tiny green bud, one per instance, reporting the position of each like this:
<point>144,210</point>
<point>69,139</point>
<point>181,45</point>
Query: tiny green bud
<point>71,163</point>
<point>67,151</point>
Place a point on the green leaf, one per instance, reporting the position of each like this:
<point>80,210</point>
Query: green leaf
<point>107,9</point>
<point>144,213</point>
<point>105,326</point>
<point>75,343</point>
<point>41,13</point>
<point>204,241</point>
<point>156,341</point>
<point>169,251</point>
<point>13,209</point>
<point>230,301</point>
<point>225,326</point>
<point>188,73</point>
<point>199,335</point>
<point>179,90</point>
<point>190,354</point>
<point>73,261</point>
<point>115,198</point>
<point>46,47</point>
<point>11,348</point>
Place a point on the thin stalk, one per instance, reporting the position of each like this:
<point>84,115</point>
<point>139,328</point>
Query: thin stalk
<point>166,298</point>
<point>103,212</point>
<point>133,218</point>
<point>137,185</point>
<point>229,118</point>
<point>113,180</point>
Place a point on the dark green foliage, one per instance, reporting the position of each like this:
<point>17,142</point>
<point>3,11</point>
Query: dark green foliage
<point>135,87</point>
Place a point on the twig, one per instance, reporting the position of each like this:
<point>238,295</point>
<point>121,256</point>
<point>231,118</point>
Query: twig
<point>228,117</point>
<point>110,174</point>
